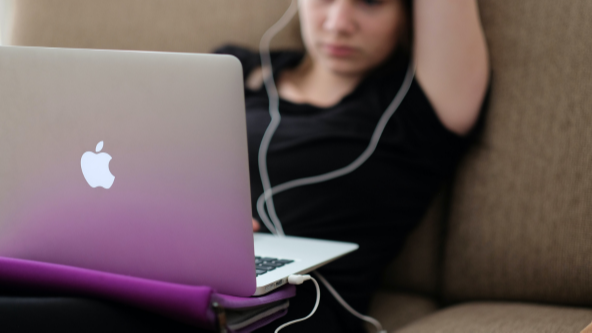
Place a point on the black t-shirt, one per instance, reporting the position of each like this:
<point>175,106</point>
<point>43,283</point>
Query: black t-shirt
<point>377,204</point>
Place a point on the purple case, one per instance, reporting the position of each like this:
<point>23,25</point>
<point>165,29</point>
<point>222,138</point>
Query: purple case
<point>199,306</point>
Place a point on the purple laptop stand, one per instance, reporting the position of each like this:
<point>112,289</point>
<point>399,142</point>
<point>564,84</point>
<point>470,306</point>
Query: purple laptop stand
<point>189,304</point>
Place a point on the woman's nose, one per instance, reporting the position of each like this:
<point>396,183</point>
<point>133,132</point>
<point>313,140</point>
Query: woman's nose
<point>340,17</point>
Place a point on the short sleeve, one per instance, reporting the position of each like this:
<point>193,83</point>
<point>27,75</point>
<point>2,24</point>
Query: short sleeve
<point>251,59</point>
<point>438,147</point>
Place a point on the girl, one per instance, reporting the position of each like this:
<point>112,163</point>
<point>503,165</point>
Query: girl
<point>356,55</point>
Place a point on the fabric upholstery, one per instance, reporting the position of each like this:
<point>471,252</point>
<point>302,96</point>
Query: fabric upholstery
<point>156,25</point>
<point>395,310</point>
<point>502,317</point>
<point>520,224</point>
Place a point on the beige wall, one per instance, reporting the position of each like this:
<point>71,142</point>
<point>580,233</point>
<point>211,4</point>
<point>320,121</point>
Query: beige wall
<point>6,22</point>
<point>159,25</point>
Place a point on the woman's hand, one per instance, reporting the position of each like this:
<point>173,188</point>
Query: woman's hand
<point>256,225</point>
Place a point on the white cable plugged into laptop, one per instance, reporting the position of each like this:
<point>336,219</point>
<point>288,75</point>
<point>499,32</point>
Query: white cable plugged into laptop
<point>297,280</point>
<point>343,303</point>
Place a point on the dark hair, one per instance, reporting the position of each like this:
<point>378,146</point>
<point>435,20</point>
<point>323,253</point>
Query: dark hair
<point>401,55</point>
<point>406,37</point>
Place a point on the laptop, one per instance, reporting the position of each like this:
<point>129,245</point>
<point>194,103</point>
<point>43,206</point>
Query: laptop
<point>136,163</point>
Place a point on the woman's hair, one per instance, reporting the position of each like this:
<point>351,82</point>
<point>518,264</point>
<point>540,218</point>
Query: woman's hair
<point>406,37</point>
<point>402,54</point>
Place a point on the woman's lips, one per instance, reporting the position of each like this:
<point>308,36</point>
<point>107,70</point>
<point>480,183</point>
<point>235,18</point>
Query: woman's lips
<point>338,50</point>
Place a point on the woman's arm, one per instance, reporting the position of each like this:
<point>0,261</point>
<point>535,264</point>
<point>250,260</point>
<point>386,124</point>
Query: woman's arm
<point>451,58</point>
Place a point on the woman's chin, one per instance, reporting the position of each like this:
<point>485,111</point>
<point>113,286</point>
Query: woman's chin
<point>344,67</point>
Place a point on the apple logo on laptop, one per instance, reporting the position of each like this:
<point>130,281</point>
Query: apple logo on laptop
<point>95,168</point>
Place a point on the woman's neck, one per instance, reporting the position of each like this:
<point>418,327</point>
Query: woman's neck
<point>310,83</point>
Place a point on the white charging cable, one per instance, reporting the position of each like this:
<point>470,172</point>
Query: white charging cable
<point>299,279</point>
<point>343,303</point>
<point>270,218</point>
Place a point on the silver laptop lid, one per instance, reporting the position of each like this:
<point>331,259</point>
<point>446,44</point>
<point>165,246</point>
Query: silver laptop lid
<point>175,202</point>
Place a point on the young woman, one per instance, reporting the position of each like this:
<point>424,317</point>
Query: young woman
<point>331,97</point>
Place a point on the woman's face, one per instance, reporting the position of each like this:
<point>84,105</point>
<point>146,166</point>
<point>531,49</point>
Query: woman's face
<point>350,37</point>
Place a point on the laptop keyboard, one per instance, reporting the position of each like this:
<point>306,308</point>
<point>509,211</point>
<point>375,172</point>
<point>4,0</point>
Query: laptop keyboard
<point>266,264</point>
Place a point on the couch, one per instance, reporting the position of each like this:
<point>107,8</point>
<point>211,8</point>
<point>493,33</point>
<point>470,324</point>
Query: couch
<point>506,245</point>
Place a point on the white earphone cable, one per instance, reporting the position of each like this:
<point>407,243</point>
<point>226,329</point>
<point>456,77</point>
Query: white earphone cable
<point>273,112</point>
<point>270,218</point>
<point>266,198</point>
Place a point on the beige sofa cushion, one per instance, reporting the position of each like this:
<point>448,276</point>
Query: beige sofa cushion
<point>159,25</point>
<point>502,317</point>
<point>520,225</point>
<point>395,310</point>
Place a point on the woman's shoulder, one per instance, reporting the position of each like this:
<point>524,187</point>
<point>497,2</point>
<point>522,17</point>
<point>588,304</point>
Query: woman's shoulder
<point>251,62</point>
<point>242,53</point>
<point>248,58</point>
<point>414,121</point>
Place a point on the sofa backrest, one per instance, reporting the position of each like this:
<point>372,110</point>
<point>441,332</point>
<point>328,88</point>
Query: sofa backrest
<point>520,224</point>
<point>155,25</point>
